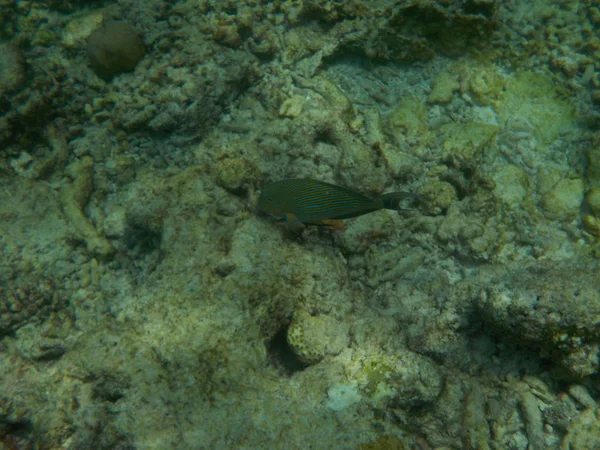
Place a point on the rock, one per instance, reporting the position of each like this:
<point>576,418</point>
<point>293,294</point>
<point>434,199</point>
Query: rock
<point>238,175</point>
<point>510,184</point>
<point>563,201</point>
<point>292,107</point>
<point>552,308</point>
<point>443,89</point>
<point>80,28</point>
<point>593,200</point>
<point>405,380</point>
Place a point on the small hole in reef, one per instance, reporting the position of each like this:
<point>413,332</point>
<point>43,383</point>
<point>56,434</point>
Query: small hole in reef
<point>324,135</point>
<point>142,240</point>
<point>281,355</point>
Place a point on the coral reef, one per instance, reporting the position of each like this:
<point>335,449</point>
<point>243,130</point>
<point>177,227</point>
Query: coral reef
<point>145,304</point>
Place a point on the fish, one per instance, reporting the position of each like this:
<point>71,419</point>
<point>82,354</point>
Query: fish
<point>313,202</point>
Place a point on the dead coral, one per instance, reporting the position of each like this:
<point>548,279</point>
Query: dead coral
<point>27,298</point>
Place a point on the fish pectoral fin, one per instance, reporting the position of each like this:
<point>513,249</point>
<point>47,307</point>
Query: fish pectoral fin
<point>331,224</point>
<point>335,224</point>
<point>289,217</point>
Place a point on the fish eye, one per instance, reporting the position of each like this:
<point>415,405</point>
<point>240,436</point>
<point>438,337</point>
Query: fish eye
<point>270,199</point>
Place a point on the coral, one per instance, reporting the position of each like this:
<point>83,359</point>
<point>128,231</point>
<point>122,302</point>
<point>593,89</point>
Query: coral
<point>74,198</point>
<point>114,48</point>
<point>32,297</point>
<point>314,337</point>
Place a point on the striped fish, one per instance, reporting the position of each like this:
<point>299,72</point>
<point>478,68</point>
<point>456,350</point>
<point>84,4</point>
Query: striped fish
<point>314,202</point>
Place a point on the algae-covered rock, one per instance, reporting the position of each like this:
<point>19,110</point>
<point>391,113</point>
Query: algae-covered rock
<point>391,265</point>
<point>386,443</point>
<point>444,27</point>
<point>593,165</point>
<point>583,431</point>
<point>593,200</point>
<point>535,99</point>
<point>292,107</point>
<point>238,174</point>
<point>439,194</point>
<point>336,99</point>
<point>12,68</point>
<point>592,224</point>
<point>564,200</point>
<point>74,197</point>
<point>553,308</point>
<point>409,120</point>
<point>406,379</point>
<point>485,83</point>
<point>26,298</point>
<point>510,184</point>
<point>443,90</point>
<point>80,28</point>
<point>398,162</point>
<point>366,230</point>
<point>358,167</point>
<point>343,395</point>
<point>547,178</point>
<point>477,429</point>
<point>466,141</point>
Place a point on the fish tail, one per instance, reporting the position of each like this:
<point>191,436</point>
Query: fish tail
<point>393,200</point>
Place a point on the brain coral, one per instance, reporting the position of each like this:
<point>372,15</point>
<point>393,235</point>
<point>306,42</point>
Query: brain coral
<point>114,48</point>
